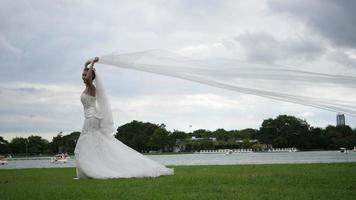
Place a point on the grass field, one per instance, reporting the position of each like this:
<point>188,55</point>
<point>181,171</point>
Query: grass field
<point>275,181</point>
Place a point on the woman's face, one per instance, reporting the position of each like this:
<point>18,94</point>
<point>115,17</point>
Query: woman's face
<point>84,74</point>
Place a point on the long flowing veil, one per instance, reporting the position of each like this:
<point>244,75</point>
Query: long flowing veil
<point>331,92</point>
<point>103,108</point>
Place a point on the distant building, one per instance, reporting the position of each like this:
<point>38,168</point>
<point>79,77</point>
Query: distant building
<point>340,119</point>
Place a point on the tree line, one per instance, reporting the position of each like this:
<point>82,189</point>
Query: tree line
<point>282,132</point>
<point>36,145</point>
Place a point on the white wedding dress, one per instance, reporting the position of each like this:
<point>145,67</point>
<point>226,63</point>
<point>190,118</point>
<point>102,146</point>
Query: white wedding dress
<point>100,155</point>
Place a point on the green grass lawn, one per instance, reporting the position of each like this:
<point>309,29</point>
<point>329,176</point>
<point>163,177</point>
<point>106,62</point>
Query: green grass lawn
<point>275,181</point>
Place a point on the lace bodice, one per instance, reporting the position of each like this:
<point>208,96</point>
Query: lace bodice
<point>89,104</point>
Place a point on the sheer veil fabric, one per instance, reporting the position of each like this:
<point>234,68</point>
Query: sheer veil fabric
<point>104,108</point>
<point>328,91</point>
<point>98,154</point>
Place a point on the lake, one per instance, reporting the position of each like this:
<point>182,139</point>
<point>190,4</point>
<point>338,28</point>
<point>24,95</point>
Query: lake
<point>209,159</point>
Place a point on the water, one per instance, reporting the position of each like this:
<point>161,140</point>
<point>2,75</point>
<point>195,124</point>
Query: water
<point>210,159</point>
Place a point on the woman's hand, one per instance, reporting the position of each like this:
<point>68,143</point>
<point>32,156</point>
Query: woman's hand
<point>91,62</point>
<point>87,63</point>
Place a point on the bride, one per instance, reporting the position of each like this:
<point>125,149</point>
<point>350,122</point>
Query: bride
<point>98,154</point>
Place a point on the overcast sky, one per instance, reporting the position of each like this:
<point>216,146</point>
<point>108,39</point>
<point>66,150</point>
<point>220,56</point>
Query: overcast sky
<point>43,45</point>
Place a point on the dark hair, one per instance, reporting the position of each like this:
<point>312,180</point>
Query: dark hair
<point>86,69</point>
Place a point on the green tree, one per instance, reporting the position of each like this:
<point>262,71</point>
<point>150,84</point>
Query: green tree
<point>340,136</point>
<point>70,141</point>
<point>57,143</point>
<point>18,145</point>
<point>285,131</point>
<point>159,139</point>
<point>176,137</point>
<point>280,141</point>
<point>248,133</point>
<point>201,133</point>
<point>206,144</point>
<point>64,143</point>
<point>137,134</point>
<point>318,138</point>
<point>37,145</point>
<point>222,134</point>
<point>4,146</point>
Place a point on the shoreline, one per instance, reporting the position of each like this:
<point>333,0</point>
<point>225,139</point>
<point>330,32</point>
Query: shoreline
<point>178,153</point>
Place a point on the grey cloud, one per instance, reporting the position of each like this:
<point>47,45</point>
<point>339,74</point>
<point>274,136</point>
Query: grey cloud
<point>259,46</point>
<point>262,46</point>
<point>342,58</point>
<point>335,20</point>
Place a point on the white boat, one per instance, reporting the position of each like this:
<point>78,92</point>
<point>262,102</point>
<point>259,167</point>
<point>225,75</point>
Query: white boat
<point>3,160</point>
<point>228,152</point>
<point>60,158</point>
<point>343,150</point>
